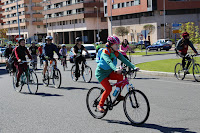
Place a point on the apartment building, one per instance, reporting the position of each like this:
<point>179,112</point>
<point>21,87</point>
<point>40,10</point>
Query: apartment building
<point>68,19</point>
<point>135,14</point>
<point>1,16</point>
<point>30,19</point>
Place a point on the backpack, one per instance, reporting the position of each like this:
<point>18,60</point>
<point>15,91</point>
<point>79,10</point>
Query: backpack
<point>98,55</point>
<point>179,46</point>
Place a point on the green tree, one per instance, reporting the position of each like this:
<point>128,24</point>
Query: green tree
<point>149,27</point>
<point>121,31</point>
<point>3,33</point>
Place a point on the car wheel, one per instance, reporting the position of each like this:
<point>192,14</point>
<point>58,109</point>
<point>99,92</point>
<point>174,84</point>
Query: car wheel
<point>159,49</point>
<point>167,49</point>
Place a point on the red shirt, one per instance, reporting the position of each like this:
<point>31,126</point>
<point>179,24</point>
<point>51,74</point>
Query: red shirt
<point>40,50</point>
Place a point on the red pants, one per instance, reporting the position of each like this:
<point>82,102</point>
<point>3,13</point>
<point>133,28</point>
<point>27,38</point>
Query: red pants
<point>108,88</point>
<point>21,68</point>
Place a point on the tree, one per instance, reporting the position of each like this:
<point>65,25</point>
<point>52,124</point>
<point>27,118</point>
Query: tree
<point>149,27</point>
<point>190,28</point>
<point>121,31</point>
<point>3,33</point>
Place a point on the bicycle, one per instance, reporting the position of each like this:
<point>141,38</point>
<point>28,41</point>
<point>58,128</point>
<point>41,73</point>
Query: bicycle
<point>86,72</point>
<point>28,78</point>
<point>132,103</point>
<point>181,72</point>
<point>64,63</point>
<point>52,73</point>
<point>131,73</point>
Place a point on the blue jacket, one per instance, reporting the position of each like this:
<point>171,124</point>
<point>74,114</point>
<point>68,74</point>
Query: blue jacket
<point>48,50</point>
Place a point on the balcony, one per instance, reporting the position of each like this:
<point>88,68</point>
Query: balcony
<point>38,15</point>
<point>5,26</point>
<point>92,4</point>
<point>36,1</point>
<point>37,23</point>
<point>35,8</point>
<point>93,14</point>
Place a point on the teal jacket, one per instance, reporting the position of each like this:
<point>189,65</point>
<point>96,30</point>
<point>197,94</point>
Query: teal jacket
<point>108,63</point>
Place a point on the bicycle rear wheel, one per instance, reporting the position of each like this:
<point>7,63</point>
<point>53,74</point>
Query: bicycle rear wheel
<point>33,82</point>
<point>17,89</point>
<point>179,72</point>
<point>57,78</point>
<point>87,74</point>
<point>46,78</point>
<point>196,72</point>
<point>136,107</point>
<point>92,100</point>
<point>73,73</point>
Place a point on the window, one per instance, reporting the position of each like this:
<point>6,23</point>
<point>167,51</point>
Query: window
<point>132,3</point>
<point>79,20</point>
<point>106,10</point>
<point>75,21</point>
<point>127,4</point>
<point>118,5</point>
<point>123,5</point>
<point>83,20</point>
<point>63,22</point>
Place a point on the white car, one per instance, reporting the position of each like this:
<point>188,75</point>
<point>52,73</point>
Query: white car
<point>91,50</point>
<point>168,41</point>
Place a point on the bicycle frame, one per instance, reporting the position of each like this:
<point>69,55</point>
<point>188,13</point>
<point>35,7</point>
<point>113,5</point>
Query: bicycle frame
<point>192,61</point>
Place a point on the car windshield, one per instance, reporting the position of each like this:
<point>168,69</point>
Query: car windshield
<point>162,42</point>
<point>90,47</point>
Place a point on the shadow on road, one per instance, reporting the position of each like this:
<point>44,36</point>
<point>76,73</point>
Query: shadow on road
<point>73,88</point>
<point>41,94</point>
<point>146,78</point>
<point>160,128</point>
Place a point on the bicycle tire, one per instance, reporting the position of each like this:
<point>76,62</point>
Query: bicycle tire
<point>178,71</point>
<point>33,81</point>
<point>46,80</point>
<point>73,73</point>
<point>87,71</point>
<point>92,104</point>
<point>136,106</point>
<point>57,77</point>
<point>17,89</point>
<point>196,72</point>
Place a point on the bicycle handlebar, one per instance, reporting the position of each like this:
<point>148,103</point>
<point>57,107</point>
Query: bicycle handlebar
<point>22,62</point>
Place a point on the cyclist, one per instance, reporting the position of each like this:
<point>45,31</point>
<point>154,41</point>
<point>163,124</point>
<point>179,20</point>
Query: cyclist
<point>182,47</point>
<point>8,52</point>
<point>77,51</point>
<point>63,52</point>
<point>34,51</point>
<point>48,51</point>
<point>97,47</point>
<point>106,68</point>
<point>20,53</point>
<point>40,53</point>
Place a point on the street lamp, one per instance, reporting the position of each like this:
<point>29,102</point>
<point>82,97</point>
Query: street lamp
<point>164,16</point>
<point>18,19</point>
<point>46,1</point>
<point>97,22</point>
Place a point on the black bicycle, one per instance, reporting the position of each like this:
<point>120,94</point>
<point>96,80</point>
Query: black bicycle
<point>136,105</point>
<point>85,71</point>
<point>181,72</point>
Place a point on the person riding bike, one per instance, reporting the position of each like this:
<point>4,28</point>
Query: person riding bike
<point>124,48</point>
<point>48,52</point>
<point>8,52</point>
<point>106,68</point>
<point>78,58</point>
<point>34,51</point>
<point>182,48</point>
<point>20,53</point>
<point>63,52</point>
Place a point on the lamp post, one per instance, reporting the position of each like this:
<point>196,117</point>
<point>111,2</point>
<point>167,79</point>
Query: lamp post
<point>18,19</point>
<point>46,1</point>
<point>164,16</point>
<point>97,22</point>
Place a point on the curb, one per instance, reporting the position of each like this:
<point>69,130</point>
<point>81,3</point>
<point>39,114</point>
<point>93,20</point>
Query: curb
<point>165,74</point>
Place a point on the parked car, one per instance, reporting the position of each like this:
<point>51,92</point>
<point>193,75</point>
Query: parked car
<point>91,50</point>
<point>143,44</point>
<point>158,46</point>
<point>2,51</point>
<point>168,41</point>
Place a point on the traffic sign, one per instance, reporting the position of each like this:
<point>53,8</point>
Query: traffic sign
<point>176,31</point>
<point>16,38</point>
<point>145,33</point>
<point>176,25</point>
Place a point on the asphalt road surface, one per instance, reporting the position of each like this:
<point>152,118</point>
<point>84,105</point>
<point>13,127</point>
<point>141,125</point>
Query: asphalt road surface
<point>174,106</point>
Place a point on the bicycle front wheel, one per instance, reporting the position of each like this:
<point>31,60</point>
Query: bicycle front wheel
<point>92,100</point>
<point>33,82</point>
<point>87,74</point>
<point>73,71</point>
<point>179,72</point>
<point>17,89</point>
<point>136,107</point>
<point>57,78</point>
<point>196,72</point>
<point>46,78</point>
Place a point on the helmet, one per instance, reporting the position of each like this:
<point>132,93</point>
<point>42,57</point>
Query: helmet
<point>49,37</point>
<point>21,39</point>
<point>113,40</point>
<point>63,45</point>
<point>185,34</point>
<point>78,39</point>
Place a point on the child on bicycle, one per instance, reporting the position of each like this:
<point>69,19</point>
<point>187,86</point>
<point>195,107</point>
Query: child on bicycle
<point>106,68</point>
<point>20,53</point>
<point>182,48</point>
<point>63,52</point>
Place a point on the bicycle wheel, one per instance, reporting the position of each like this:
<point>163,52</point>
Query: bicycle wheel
<point>17,89</point>
<point>87,74</point>
<point>57,78</point>
<point>33,82</point>
<point>136,107</point>
<point>73,73</point>
<point>179,72</point>
<point>196,72</point>
<point>46,78</point>
<point>92,100</point>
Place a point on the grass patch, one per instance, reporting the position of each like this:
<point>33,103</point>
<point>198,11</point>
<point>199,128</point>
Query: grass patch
<point>162,65</point>
<point>150,53</point>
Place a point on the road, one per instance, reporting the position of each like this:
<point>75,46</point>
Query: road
<point>174,106</point>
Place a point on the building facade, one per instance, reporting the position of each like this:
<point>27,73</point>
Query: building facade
<point>30,26</point>
<point>136,14</point>
<point>68,19</point>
